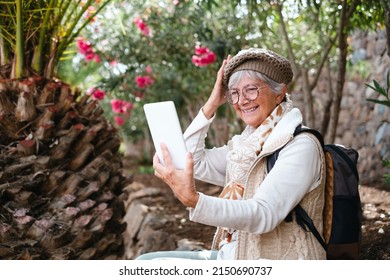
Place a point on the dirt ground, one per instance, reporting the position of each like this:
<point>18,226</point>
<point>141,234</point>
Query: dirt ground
<point>375,228</point>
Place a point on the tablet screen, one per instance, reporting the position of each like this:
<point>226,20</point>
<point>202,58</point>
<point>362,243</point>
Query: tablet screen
<point>165,128</point>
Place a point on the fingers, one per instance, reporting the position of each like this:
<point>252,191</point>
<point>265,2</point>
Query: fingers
<point>155,160</point>
<point>163,171</point>
<point>189,168</point>
<point>166,155</point>
<point>226,61</point>
<point>221,69</point>
<point>157,166</point>
<point>218,83</point>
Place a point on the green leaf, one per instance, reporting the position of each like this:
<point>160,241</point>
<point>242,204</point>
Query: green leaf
<point>379,88</point>
<point>383,102</point>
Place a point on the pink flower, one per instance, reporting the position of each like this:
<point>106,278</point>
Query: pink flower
<point>142,26</point>
<point>203,56</point>
<point>148,69</point>
<point>84,47</point>
<point>146,31</point>
<point>90,13</point>
<point>97,58</point>
<point>121,106</point>
<point>139,22</point>
<point>114,63</point>
<point>96,94</point>
<point>119,120</point>
<point>176,2</point>
<point>89,56</point>
<point>201,50</point>
<point>144,81</point>
<point>92,56</point>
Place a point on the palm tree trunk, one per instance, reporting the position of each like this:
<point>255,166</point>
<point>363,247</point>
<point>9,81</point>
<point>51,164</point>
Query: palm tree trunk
<point>62,189</point>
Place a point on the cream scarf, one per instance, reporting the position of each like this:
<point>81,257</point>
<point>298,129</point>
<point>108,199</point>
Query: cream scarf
<point>244,148</point>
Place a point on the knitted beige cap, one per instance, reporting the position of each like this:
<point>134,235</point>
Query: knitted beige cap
<point>273,65</point>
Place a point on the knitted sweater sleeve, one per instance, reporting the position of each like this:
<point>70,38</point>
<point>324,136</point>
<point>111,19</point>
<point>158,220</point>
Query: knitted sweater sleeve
<point>296,172</point>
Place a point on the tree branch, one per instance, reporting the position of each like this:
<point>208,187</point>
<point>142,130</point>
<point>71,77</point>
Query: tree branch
<point>386,7</point>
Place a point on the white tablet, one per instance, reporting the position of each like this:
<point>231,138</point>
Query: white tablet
<point>165,128</point>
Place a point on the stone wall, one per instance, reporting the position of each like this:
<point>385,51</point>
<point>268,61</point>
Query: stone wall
<point>363,125</point>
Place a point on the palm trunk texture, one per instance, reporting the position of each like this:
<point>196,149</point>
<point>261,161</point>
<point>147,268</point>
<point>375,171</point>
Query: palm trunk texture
<point>62,189</point>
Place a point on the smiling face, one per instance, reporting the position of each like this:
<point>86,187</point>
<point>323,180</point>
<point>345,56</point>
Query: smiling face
<point>254,112</point>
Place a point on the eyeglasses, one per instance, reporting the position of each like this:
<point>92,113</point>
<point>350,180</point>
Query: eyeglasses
<point>250,93</point>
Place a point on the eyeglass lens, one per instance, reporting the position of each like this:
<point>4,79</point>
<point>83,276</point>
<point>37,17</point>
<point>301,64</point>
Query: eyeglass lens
<point>249,92</point>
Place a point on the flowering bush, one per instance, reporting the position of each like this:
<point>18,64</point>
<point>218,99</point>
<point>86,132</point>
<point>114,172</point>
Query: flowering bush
<point>203,56</point>
<point>148,59</point>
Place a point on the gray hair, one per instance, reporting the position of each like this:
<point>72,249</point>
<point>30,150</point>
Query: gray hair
<point>275,87</point>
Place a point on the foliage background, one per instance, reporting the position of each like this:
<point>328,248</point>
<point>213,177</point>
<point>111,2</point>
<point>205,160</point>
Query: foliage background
<point>307,32</point>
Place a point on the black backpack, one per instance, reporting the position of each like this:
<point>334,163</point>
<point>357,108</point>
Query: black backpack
<point>342,210</point>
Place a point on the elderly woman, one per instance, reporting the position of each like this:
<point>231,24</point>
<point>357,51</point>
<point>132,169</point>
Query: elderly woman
<point>250,213</point>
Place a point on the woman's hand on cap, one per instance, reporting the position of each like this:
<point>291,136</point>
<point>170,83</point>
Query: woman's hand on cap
<point>217,97</point>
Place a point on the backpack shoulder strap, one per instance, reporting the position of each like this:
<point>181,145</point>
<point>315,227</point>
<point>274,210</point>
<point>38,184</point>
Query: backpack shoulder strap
<point>299,129</point>
<point>304,220</point>
<point>345,157</point>
<point>316,133</point>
